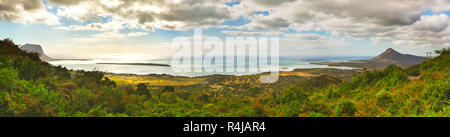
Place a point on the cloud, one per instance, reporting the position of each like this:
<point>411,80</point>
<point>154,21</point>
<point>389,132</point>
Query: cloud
<point>399,22</point>
<point>137,34</point>
<point>262,22</point>
<point>384,12</point>
<point>247,33</point>
<point>271,3</point>
<point>302,44</point>
<point>441,5</point>
<point>108,36</point>
<point>396,22</point>
<point>101,37</point>
<point>434,23</point>
<point>66,2</point>
<point>93,26</point>
<point>78,13</point>
<point>30,11</point>
<point>305,36</point>
<point>163,14</point>
<point>115,24</point>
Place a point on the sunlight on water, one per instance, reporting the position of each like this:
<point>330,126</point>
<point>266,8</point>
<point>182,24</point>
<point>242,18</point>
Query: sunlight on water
<point>124,58</point>
<point>286,64</point>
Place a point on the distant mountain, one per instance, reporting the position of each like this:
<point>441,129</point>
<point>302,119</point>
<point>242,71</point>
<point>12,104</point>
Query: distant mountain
<point>390,56</point>
<point>33,48</point>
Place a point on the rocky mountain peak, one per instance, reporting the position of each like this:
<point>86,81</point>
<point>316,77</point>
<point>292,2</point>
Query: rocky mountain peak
<point>395,57</point>
<point>34,48</point>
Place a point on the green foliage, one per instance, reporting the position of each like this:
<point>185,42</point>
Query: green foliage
<point>107,82</point>
<point>143,90</point>
<point>168,89</point>
<point>391,77</point>
<point>81,101</point>
<point>439,63</point>
<point>30,87</point>
<point>345,108</point>
<point>413,70</point>
<point>89,80</point>
<point>384,98</point>
<point>7,78</point>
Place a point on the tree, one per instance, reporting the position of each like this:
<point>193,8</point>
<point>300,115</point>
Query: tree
<point>108,82</point>
<point>168,89</point>
<point>142,89</point>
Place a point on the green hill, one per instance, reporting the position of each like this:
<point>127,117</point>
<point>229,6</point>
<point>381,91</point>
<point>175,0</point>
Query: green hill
<point>30,87</point>
<point>380,93</point>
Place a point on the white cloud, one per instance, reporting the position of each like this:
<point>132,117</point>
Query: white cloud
<point>79,13</point>
<point>92,26</point>
<point>137,34</point>
<point>261,22</point>
<point>109,35</point>
<point>31,11</point>
<point>434,23</point>
<point>441,5</point>
<point>385,12</point>
<point>163,14</point>
<point>115,24</point>
<point>248,33</point>
<point>301,44</point>
<point>106,36</point>
<point>399,22</point>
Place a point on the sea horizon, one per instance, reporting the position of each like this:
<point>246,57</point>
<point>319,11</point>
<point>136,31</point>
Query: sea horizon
<point>117,65</point>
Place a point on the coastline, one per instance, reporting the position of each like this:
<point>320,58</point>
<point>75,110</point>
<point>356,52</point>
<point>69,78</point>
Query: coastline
<point>139,64</point>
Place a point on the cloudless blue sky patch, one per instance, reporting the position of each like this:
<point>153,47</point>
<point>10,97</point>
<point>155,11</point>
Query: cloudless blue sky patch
<point>430,12</point>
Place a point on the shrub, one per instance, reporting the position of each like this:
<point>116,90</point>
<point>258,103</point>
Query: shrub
<point>345,108</point>
<point>168,89</point>
<point>384,98</point>
<point>8,76</point>
<point>142,89</point>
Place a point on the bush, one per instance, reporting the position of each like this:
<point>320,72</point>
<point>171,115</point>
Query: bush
<point>384,99</point>
<point>345,108</point>
<point>168,89</point>
<point>81,101</point>
<point>8,77</point>
<point>142,89</point>
<point>413,70</point>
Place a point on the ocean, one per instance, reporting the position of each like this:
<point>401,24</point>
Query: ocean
<point>285,64</point>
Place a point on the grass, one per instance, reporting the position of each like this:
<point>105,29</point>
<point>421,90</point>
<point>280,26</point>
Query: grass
<point>154,80</point>
<point>301,74</point>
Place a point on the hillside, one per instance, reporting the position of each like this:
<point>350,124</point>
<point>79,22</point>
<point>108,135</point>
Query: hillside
<point>30,87</point>
<point>389,57</point>
<point>382,93</point>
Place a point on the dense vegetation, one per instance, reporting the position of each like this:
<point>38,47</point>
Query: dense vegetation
<point>30,87</point>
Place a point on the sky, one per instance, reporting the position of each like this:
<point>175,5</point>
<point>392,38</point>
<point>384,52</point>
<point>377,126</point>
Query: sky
<point>68,28</point>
